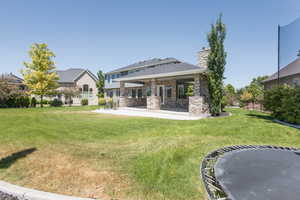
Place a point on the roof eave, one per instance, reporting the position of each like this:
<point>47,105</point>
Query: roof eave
<point>141,66</point>
<point>169,74</point>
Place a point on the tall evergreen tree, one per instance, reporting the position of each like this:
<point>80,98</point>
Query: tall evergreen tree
<point>216,65</point>
<point>100,83</point>
<point>39,75</point>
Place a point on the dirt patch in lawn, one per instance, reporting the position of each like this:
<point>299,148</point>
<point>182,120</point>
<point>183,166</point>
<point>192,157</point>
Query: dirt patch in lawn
<point>63,174</point>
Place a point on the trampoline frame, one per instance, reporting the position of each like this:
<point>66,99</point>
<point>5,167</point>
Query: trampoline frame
<point>212,186</point>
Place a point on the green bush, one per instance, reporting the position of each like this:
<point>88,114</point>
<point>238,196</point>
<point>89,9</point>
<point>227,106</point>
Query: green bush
<point>101,101</point>
<point>84,102</point>
<point>24,101</point>
<point>283,103</point>
<point>56,103</point>
<point>16,102</point>
<point>45,102</point>
<point>33,102</point>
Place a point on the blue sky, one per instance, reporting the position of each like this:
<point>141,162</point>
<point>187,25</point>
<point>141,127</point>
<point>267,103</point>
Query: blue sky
<point>98,34</point>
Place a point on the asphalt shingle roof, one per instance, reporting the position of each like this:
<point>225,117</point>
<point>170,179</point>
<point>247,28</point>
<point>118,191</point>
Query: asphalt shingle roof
<point>152,62</point>
<point>70,75</point>
<point>290,69</point>
<point>11,77</point>
<point>162,69</point>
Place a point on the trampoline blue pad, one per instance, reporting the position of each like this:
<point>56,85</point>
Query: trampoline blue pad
<point>262,174</point>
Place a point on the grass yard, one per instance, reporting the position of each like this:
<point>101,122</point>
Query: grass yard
<point>73,151</point>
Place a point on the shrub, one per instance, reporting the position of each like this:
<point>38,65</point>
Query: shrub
<point>33,102</point>
<point>45,102</point>
<point>101,101</point>
<point>84,102</point>
<point>24,101</point>
<point>56,103</point>
<point>283,103</point>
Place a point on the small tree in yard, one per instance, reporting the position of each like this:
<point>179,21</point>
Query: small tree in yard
<point>39,75</point>
<point>100,83</point>
<point>69,93</point>
<point>246,97</point>
<point>216,65</point>
<point>230,95</point>
<point>256,93</point>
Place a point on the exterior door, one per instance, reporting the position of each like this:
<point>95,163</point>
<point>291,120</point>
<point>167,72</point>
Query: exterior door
<point>161,93</point>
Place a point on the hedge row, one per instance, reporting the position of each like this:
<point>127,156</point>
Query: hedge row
<point>284,103</point>
<point>15,102</point>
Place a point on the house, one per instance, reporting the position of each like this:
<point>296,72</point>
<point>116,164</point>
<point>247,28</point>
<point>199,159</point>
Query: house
<point>13,80</point>
<point>81,79</point>
<point>288,75</point>
<point>161,84</point>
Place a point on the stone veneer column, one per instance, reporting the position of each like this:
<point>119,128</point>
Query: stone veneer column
<point>123,102</point>
<point>153,102</point>
<point>197,104</point>
<point>197,85</point>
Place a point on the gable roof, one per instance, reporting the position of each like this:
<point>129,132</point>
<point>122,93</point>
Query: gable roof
<point>11,78</point>
<point>165,70</point>
<point>73,74</point>
<point>146,63</point>
<point>290,69</point>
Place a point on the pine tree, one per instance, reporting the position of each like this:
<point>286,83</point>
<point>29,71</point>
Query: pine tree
<point>216,65</point>
<point>39,74</point>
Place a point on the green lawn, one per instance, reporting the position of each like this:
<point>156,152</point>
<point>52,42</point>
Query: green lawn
<point>81,153</point>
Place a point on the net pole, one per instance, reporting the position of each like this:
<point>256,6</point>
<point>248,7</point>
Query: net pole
<point>278,54</point>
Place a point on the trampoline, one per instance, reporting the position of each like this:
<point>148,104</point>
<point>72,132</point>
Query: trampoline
<point>252,173</point>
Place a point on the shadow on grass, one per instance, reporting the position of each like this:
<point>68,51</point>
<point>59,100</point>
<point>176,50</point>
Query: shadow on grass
<point>11,159</point>
<point>261,116</point>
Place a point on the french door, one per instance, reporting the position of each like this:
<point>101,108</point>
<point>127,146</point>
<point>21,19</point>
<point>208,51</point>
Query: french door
<point>161,93</point>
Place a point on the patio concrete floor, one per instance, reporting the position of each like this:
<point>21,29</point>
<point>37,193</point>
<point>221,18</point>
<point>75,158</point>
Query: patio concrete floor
<point>142,112</point>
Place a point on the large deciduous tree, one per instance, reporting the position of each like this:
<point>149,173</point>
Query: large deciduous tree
<point>39,74</point>
<point>100,83</point>
<point>216,65</point>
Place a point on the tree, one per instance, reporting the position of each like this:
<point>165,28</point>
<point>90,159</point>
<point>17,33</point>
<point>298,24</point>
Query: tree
<point>259,80</point>
<point>100,83</point>
<point>69,93</point>
<point>11,95</point>
<point>246,97</point>
<point>230,95</point>
<point>216,65</point>
<point>39,74</point>
<point>255,92</point>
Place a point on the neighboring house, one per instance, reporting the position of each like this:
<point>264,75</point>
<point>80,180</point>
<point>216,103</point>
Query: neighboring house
<point>161,84</point>
<point>81,79</point>
<point>13,80</point>
<point>289,75</point>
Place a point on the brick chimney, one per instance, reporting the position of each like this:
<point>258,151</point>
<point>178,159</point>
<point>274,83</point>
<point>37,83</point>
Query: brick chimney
<point>202,57</point>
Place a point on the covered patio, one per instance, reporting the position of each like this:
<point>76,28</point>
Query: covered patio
<point>167,91</point>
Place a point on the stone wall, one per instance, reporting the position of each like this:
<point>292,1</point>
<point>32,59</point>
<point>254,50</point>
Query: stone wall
<point>197,106</point>
<point>133,102</point>
<point>153,103</point>
<point>203,57</point>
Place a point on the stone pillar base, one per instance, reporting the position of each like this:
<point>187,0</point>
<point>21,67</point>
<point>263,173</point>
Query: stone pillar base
<point>123,102</point>
<point>153,103</point>
<point>197,106</point>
